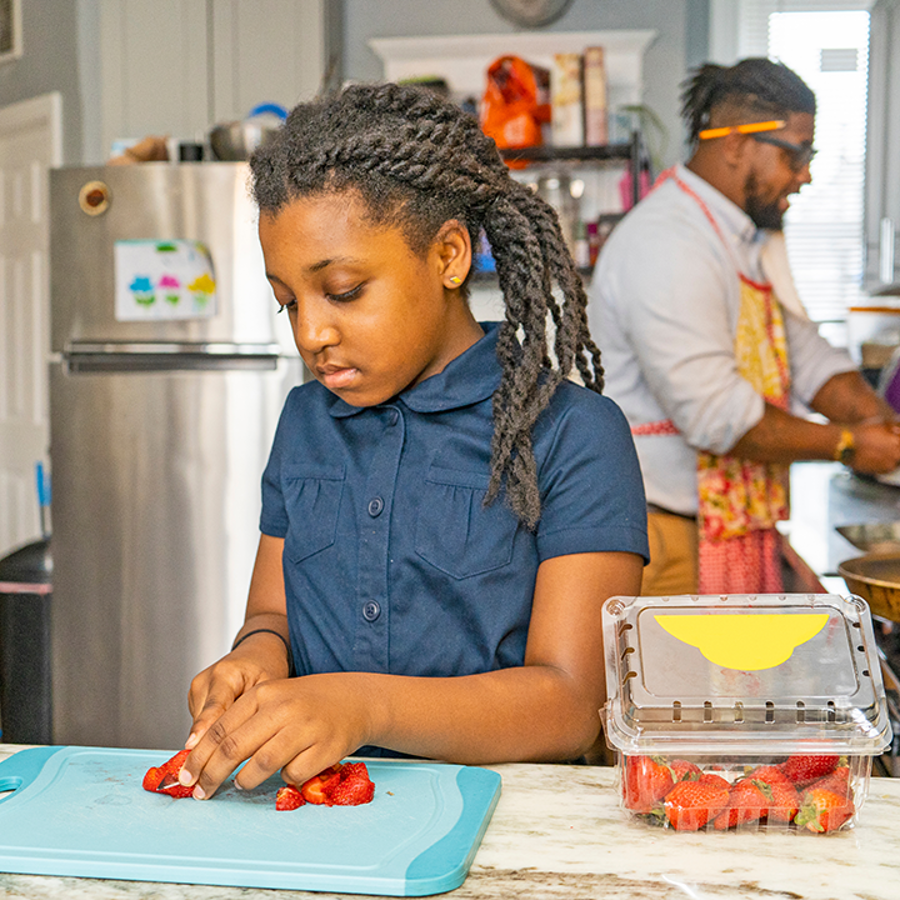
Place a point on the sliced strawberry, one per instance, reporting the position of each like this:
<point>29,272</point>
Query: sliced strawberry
<point>353,792</point>
<point>174,788</point>
<point>173,766</point>
<point>164,779</point>
<point>318,788</point>
<point>289,797</point>
<point>690,804</point>
<point>823,810</point>
<point>152,778</point>
<point>647,780</point>
<point>354,770</point>
<point>803,770</point>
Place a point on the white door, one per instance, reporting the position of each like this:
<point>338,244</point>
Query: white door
<point>30,144</point>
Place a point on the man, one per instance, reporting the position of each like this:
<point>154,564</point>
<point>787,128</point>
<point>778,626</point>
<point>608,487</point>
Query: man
<point>716,368</point>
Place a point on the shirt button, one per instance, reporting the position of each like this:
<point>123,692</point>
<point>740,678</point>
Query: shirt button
<point>393,417</point>
<point>376,505</point>
<point>371,611</point>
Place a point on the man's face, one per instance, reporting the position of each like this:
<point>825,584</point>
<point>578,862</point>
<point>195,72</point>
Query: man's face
<point>775,172</point>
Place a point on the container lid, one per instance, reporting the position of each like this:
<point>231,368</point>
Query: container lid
<point>743,674</point>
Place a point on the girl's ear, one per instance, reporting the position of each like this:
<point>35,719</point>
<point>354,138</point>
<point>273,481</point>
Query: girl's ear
<point>452,253</point>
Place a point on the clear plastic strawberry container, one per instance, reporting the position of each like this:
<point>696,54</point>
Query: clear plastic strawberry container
<point>743,712</point>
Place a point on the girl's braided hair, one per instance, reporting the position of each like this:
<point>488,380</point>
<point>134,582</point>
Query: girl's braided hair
<point>752,86</point>
<point>417,161</point>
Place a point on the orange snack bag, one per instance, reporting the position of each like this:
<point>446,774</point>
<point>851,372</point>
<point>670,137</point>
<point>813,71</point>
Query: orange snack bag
<point>516,103</point>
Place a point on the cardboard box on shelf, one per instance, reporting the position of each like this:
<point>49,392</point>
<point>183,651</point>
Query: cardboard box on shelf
<point>566,103</point>
<point>596,101</point>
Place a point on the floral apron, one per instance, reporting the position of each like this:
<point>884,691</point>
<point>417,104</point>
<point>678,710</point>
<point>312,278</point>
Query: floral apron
<point>740,501</point>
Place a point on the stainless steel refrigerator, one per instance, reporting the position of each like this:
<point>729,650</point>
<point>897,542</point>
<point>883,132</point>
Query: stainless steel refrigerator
<point>168,373</point>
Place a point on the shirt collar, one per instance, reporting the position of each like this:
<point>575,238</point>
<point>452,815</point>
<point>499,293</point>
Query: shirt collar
<point>733,221</point>
<point>470,378</point>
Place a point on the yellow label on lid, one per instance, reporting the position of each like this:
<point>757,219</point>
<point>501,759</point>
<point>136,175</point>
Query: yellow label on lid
<point>745,641</point>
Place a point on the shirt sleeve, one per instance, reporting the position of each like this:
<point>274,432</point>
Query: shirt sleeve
<point>273,519</point>
<point>592,495</point>
<point>671,294</point>
<point>813,360</point>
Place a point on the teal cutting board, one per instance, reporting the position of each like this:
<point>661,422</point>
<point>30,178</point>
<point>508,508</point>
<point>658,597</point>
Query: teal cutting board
<point>82,811</point>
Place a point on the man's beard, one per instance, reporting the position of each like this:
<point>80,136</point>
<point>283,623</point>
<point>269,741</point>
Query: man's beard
<point>763,215</point>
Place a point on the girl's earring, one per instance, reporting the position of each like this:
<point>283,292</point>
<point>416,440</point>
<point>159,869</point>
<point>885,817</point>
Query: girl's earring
<point>455,280</point>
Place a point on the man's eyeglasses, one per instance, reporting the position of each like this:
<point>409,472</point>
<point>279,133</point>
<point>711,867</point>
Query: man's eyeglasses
<point>801,155</point>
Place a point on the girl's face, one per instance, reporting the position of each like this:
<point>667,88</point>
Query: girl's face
<point>369,317</point>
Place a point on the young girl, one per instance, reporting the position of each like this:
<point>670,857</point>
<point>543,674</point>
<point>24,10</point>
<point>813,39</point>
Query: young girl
<point>444,513</point>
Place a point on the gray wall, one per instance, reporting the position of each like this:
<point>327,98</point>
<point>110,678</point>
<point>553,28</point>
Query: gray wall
<point>50,63</point>
<point>59,40</point>
<point>681,41</point>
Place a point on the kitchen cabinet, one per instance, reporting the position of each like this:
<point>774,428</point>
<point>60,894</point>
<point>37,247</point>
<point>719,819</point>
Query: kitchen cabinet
<point>882,197</point>
<point>175,67</point>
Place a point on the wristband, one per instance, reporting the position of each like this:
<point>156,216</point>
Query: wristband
<point>843,452</point>
<point>277,634</point>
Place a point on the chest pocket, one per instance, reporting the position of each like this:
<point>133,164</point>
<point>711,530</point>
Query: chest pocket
<point>312,498</point>
<point>455,532</point>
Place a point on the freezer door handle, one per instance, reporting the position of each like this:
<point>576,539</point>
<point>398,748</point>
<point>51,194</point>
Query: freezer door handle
<point>131,357</point>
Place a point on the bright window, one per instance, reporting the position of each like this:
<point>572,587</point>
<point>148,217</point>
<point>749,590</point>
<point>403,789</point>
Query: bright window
<point>827,44</point>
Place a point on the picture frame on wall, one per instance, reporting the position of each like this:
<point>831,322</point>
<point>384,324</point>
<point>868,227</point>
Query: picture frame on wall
<point>10,30</point>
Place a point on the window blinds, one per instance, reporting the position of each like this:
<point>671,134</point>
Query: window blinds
<point>826,43</point>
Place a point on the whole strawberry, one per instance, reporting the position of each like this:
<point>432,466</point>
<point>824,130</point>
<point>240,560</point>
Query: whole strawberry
<point>785,802</point>
<point>803,770</point>
<point>682,770</point>
<point>647,780</point>
<point>837,781</point>
<point>823,810</point>
<point>748,801</point>
<point>768,774</point>
<point>691,804</point>
<point>712,778</point>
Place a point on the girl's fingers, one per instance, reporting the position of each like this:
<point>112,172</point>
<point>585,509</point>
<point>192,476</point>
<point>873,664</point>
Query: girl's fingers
<point>276,755</point>
<point>221,746</point>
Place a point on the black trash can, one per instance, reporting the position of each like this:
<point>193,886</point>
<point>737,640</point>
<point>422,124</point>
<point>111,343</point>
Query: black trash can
<point>25,686</point>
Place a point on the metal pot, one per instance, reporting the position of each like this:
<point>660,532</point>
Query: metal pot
<point>231,141</point>
<point>876,578</point>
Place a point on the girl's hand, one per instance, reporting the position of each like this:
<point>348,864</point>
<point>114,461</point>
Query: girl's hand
<point>297,725</point>
<point>260,657</point>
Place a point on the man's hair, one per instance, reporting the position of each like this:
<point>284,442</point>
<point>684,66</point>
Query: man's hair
<point>750,90</point>
<point>417,161</point>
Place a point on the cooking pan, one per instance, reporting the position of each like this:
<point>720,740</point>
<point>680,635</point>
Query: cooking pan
<point>876,578</point>
<point>873,537</point>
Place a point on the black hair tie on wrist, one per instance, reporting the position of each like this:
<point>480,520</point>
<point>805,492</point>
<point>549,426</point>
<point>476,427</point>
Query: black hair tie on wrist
<point>281,637</point>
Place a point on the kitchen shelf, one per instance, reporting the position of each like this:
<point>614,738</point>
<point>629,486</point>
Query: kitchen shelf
<point>631,152</point>
<point>578,154</point>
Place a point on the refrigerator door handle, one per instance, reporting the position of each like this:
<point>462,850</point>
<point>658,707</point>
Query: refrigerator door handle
<point>130,357</point>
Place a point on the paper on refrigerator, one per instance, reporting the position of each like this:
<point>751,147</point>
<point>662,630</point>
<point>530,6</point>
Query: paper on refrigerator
<point>164,279</point>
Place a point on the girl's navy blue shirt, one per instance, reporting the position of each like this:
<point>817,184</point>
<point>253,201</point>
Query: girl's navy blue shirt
<point>391,561</point>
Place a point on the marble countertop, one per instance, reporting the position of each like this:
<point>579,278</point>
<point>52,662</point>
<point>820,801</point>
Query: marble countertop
<point>558,834</point>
